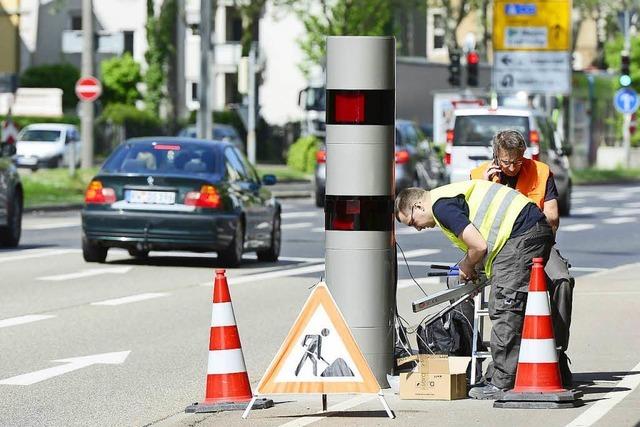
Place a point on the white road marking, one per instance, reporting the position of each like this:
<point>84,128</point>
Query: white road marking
<point>417,253</point>
<point>588,269</point>
<point>600,293</point>
<point>71,365</point>
<point>599,409</point>
<point>348,404</point>
<point>589,211</point>
<point>296,225</point>
<point>625,211</point>
<point>86,273</point>
<point>614,196</point>
<point>632,205</point>
<point>407,283</point>
<point>288,215</point>
<point>576,227</point>
<point>132,298</point>
<point>619,220</point>
<point>317,230</point>
<point>288,258</point>
<point>24,319</point>
<point>36,253</point>
<point>51,226</point>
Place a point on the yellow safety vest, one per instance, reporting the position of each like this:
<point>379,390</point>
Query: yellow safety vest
<point>493,209</point>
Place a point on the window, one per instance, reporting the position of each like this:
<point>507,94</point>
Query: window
<point>234,167</point>
<point>251,172</point>
<point>194,91</point>
<point>436,29</point>
<point>128,42</point>
<point>233,25</point>
<point>479,130</point>
<point>76,22</point>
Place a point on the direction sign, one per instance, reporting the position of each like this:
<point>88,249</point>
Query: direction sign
<point>626,100</point>
<point>532,25</point>
<point>88,88</point>
<point>532,72</point>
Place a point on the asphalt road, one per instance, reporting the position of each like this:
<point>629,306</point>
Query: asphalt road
<point>148,323</point>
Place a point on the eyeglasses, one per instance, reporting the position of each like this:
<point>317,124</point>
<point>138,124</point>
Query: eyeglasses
<point>507,163</point>
<point>411,220</point>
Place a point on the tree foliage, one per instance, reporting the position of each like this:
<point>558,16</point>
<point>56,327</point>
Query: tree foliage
<point>120,76</point>
<point>612,51</point>
<point>63,76</point>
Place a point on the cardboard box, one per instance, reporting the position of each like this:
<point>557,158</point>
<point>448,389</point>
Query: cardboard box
<point>436,377</point>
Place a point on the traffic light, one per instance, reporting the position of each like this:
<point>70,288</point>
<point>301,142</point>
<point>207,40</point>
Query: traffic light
<point>473,60</point>
<point>625,72</point>
<point>454,68</point>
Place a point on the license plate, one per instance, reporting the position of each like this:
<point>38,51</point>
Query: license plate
<point>153,197</point>
<point>30,161</point>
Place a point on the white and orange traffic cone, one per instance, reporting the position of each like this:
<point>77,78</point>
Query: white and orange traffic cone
<point>538,382</point>
<point>228,386</point>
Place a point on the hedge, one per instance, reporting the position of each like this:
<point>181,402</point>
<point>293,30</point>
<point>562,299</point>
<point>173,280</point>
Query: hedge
<point>302,154</point>
<point>22,121</point>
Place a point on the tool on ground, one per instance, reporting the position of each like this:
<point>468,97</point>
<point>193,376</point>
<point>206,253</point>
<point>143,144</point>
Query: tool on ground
<point>538,382</point>
<point>228,386</point>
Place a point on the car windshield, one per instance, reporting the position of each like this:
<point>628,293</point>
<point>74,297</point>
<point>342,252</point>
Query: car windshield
<point>162,158</point>
<point>40,135</point>
<point>479,130</point>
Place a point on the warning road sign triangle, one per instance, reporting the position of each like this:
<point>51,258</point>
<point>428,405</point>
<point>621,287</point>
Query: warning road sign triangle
<point>319,355</point>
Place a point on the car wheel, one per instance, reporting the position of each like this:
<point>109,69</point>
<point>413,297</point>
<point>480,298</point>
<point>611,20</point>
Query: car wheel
<point>319,199</point>
<point>564,204</point>
<point>138,254</point>
<point>273,252</point>
<point>10,234</point>
<point>93,252</point>
<point>232,256</point>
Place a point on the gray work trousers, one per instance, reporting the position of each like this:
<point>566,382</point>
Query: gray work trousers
<point>510,276</point>
<point>560,285</point>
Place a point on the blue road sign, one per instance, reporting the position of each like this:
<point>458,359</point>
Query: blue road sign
<point>515,9</point>
<point>626,100</point>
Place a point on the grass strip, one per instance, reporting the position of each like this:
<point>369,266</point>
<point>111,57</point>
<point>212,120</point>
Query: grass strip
<point>605,176</point>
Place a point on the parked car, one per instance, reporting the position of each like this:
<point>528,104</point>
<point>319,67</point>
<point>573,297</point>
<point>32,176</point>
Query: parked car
<point>176,193</point>
<point>220,132</point>
<point>469,144</point>
<point>418,163</point>
<point>48,145</point>
<point>11,198</point>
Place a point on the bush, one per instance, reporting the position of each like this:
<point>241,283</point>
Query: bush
<point>135,122</point>
<point>22,121</point>
<point>302,154</point>
<point>63,76</point>
<point>120,77</point>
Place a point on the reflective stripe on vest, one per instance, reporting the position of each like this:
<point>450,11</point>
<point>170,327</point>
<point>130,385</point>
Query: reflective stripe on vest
<point>532,179</point>
<point>493,209</point>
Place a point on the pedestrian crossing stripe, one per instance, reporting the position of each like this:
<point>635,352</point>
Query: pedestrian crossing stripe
<point>319,354</point>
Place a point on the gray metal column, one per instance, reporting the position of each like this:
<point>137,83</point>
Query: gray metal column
<point>360,163</point>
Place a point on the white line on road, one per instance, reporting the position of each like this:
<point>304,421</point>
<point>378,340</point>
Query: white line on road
<point>51,226</point>
<point>589,211</point>
<point>619,220</point>
<point>296,225</point>
<point>614,196</point>
<point>36,253</point>
<point>288,215</point>
<point>417,253</point>
<point>407,283</point>
<point>577,227</point>
<point>587,269</point>
<point>288,258</point>
<point>348,404</point>
<point>601,407</point>
<point>132,298</point>
<point>86,273</point>
<point>317,230</point>
<point>24,319</point>
<point>625,212</point>
<point>632,205</point>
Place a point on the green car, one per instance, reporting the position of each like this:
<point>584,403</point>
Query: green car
<point>174,193</point>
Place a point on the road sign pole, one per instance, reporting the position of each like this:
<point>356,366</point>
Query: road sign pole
<point>626,138</point>
<point>86,119</point>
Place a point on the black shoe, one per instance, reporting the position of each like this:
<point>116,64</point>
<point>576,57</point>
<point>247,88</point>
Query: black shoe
<point>486,392</point>
<point>565,372</point>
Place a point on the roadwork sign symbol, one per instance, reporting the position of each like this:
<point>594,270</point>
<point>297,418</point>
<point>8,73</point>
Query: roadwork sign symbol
<point>319,355</point>
<point>626,100</point>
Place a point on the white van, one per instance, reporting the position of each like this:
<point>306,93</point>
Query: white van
<point>468,144</point>
<point>48,145</point>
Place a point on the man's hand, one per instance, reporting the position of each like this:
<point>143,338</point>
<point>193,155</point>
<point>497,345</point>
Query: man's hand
<point>491,171</point>
<point>467,271</point>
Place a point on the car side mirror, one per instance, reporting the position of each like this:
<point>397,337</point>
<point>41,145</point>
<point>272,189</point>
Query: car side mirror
<point>269,179</point>
<point>8,150</point>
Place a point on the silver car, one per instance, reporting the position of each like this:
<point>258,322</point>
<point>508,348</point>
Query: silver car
<point>418,162</point>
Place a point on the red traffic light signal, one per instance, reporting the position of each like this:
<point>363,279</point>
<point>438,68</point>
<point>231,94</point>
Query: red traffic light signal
<point>473,61</point>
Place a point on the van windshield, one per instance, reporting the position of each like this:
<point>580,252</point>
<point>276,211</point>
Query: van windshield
<point>479,130</point>
<point>40,135</point>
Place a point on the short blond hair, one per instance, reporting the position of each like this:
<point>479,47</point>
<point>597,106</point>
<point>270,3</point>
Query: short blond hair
<point>407,198</point>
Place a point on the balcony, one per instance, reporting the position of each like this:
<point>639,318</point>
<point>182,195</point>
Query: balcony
<point>227,57</point>
<point>106,42</point>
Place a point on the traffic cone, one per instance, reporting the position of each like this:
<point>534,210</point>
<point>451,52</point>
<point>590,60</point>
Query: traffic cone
<point>538,382</point>
<point>228,385</point>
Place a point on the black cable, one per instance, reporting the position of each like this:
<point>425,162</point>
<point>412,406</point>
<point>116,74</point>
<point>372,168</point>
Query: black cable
<point>409,270</point>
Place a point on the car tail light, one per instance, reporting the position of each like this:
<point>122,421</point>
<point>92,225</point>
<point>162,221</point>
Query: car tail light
<point>321,156</point>
<point>402,157</point>
<point>448,147</point>
<point>534,140</point>
<point>97,194</point>
<point>207,197</point>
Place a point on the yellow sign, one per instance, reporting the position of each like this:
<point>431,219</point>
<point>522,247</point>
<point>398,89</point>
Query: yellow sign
<point>319,354</point>
<point>532,25</point>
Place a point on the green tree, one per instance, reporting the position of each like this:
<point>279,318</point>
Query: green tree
<point>120,76</point>
<point>63,76</point>
<point>612,51</point>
